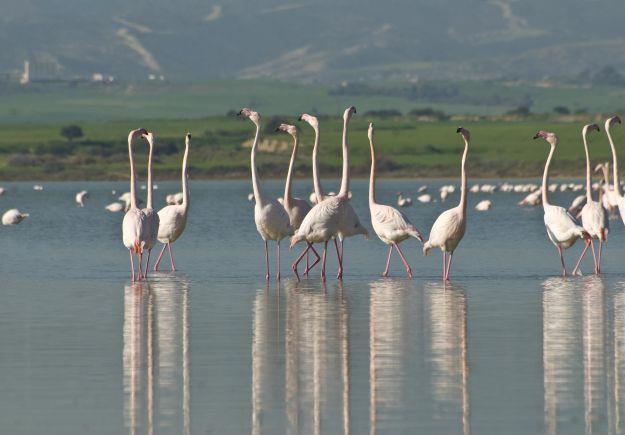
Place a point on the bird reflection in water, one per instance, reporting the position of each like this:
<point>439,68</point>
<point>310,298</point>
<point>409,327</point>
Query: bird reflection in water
<point>617,383</point>
<point>316,360</point>
<point>156,356</point>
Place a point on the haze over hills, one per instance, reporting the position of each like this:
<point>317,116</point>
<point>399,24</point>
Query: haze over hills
<point>313,40</point>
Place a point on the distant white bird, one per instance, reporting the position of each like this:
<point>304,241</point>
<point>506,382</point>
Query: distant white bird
<point>173,218</point>
<point>484,205</point>
<point>425,198</point>
<point>152,219</point>
<point>533,199</point>
<point>125,197</point>
<point>594,218</point>
<point>422,189</point>
<point>2,191</point>
<point>176,198</point>
<point>13,217</point>
<point>576,205</point>
<point>444,194</point>
<point>617,185</point>
<point>81,197</point>
<point>391,225</point>
<point>114,207</point>
<point>133,225</point>
<point>272,221</point>
<point>403,201</point>
<point>562,228</point>
<point>38,187</point>
<point>250,197</point>
<point>449,228</point>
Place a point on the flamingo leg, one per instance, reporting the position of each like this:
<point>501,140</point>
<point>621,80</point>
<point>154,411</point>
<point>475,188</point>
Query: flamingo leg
<point>140,266</point>
<point>147,264</point>
<point>296,262</point>
<point>132,267</point>
<point>323,261</point>
<point>403,258</point>
<point>266,261</point>
<point>171,258</point>
<point>339,255</point>
<point>160,256</point>
<point>278,274</point>
<point>307,262</point>
<point>451,256</point>
<point>594,257</point>
<point>444,265</point>
<point>581,257</point>
<point>562,261</point>
<point>388,261</point>
<point>599,259</point>
<point>317,259</point>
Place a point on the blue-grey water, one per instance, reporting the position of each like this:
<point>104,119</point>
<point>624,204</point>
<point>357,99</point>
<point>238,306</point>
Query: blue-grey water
<point>507,347</point>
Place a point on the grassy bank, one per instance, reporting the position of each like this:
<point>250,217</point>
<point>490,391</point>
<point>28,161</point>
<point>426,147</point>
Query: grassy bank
<point>406,146</point>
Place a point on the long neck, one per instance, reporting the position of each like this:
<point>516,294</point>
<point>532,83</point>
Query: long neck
<point>606,176</point>
<point>546,176</point>
<point>372,176</point>
<point>315,168</point>
<point>185,179</point>
<point>345,181</point>
<point>149,201</point>
<point>463,178</point>
<point>588,191</point>
<point>289,176</point>
<point>617,186</point>
<point>133,181</point>
<point>257,193</point>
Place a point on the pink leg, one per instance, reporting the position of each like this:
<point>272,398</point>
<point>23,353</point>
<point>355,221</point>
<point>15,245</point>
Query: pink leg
<point>323,262</point>
<point>562,261</point>
<point>403,258</point>
<point>339,255</point>
<point>160,256</point>
<point>317,258</point>
<point>278,274</point>
<point>388,261</point>
<point>171,258</point>
<point>444,265</point>
<point>307,267</point>
<point>140,266</point>
<point>297,261</point>
<point>451,256</point>
<point>594,257</point>
<point>266,261</point>
<point>579,262</point>
<point>599,260</point>
<point>147,264</point>
<point>132,267</point>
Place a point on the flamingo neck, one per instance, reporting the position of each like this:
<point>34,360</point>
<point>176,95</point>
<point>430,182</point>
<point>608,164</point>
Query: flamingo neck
<point>315,167</point>
<point>345,180</point>
<point>185,179</point>
<point>372,176</point>
<point>289,176</point>
<point>544,190</point>
<point>617,185</point>
<point>463,178</point>
<point>588,189</point>
<point>256,186</point>
<point>133,180</point>
<point>151,152</point>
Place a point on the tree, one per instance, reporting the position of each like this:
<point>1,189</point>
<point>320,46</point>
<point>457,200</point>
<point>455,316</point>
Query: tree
<point>71,132</point>
<point>561,110</point>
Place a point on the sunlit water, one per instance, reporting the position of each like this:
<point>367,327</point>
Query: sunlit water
<point>508,347</point>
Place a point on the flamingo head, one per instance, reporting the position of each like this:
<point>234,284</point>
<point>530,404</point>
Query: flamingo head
<point>349,112</point>
<point>599,167</point>
<point>249,113</point>
<point>370,131</point>
<point>464,132</point>
<point>148,135</point>
<point>187,138</point>
<point>137,133</point>
<point>611,121</point>
<point>590,127</point>
<point>288,128</point>
<point>548,136</point>
<point>312,120</point>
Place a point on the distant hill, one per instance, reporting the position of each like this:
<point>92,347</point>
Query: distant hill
<point>313,40</point>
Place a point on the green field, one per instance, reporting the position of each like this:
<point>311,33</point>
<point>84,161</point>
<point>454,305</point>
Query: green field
<point>406,147</point>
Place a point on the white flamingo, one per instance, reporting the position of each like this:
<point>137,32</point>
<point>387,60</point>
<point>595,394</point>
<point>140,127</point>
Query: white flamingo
<point>391,225</point>
<point>133,225</point>
<point>114,207</point>
<point>296,208</point>
<point>151,216</point>
<point>272,221</point>
<point>403,201</point>
<point>81,197</point>
<point>562,228</point>
<point>617,184</point>
<point>449,228</point>
<point>13,217</point>
<point>484,205</point>
<point>173,218</point>
<point>594,217</point>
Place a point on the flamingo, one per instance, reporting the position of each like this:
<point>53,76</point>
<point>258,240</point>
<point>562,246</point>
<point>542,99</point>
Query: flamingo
<point>114,207</point>
<point>151,216</point>
<point>133,225</point>
<point>449,228</point>
<point>13,217</point>
<point>391,225</point>
<point>81,197</point>
<point>296,208</point>
<point>272,220</point>
<point>403,201</point>
<point>173,218</point>
<point>484,205</point>
<point>349,224</point>
<point>562,228</point>
<point>594,218</point>
<point>617,185</point>
<point>176,198</point>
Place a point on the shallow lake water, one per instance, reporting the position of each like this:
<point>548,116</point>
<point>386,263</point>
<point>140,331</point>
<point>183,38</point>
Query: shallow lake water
<point>507,347</point>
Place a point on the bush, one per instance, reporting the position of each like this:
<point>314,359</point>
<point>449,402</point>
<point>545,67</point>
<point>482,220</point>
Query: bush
<point>71,132</point>
<point>429,112</point>
<point>561,110</point>
<point>384,113</point>
<point>519,111</point>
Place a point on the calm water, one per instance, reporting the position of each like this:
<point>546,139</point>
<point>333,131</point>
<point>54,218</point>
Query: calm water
<point>213,349</point>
